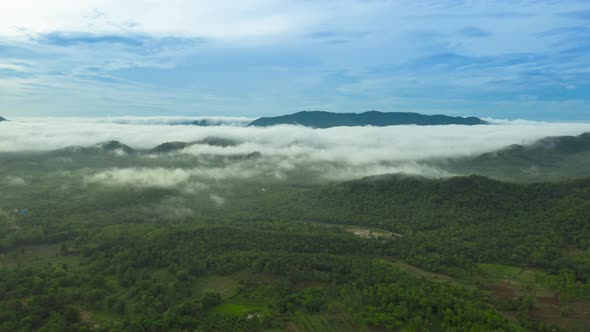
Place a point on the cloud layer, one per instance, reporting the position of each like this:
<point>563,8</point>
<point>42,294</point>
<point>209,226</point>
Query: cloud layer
<point>267,154</point>
<point>340,143</point>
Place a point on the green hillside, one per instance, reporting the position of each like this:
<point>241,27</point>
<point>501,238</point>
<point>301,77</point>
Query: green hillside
<point>551,158</point>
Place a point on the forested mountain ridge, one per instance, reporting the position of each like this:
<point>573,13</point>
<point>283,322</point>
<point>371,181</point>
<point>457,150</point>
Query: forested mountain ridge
<point>553,158</point>
<point>547,147</point>
<point>176,146</point>
<point>106,147</point>
<point>319,119</point>
<point>550,158</point>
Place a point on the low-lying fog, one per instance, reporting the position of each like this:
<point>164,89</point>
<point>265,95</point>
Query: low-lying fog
<point>357,151</point>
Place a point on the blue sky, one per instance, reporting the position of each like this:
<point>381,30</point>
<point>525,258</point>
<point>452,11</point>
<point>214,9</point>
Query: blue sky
<point>502,59</point>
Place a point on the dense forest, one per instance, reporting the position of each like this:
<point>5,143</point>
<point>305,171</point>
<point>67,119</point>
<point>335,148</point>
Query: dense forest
<point>391,252</point>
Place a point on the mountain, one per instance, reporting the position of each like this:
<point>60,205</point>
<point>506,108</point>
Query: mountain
<point>210,140</point>
<point>113,146</point>
<point>169,147</point>
<point>220,121</point>
<point>218,141</point>
<point>2,119</point>
<point>110,147</point>
<point>546,147</point>
<point>216,122</point>
<point>205,123</point>
<point>318,119</point>
<point>550,158</point>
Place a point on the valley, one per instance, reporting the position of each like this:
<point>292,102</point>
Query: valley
<point>262,253</point>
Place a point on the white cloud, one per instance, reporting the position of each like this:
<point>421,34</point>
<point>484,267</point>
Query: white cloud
<point>222,18</point>
<point>12,66</point>
<point>349,144</point>
<point>335,153</point>
<point>158,178</point>
<point>14,181</point>
<point>218,200</point>
<point>175,120</point>
<point>260,56</point>
<point>188,179</point>
<point>256,18</point>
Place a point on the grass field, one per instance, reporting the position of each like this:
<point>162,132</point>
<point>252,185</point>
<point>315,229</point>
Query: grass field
<point>227,286</point>
<point>237,308</point>
<point>498,271</point>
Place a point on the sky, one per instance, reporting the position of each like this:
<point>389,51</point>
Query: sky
<point>505,59</point>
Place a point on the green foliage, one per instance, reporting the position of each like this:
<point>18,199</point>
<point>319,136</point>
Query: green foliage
<point>126,259</point>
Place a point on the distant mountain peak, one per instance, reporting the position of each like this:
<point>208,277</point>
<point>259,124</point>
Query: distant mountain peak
<point>549,158</point>
<point>2,119</point>
<point>209,140</point>
<point>322,119</point>
<point>106,147</point>
<point>169,147</point>
<point>113,146</point>
<point>552,144</point>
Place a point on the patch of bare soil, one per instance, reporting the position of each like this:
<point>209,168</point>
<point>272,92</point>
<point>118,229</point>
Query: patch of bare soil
<point>553,300</point>
<point>573,316</point>
<point>292,327</point>
<point>502,290</point>
<point>85,316</point>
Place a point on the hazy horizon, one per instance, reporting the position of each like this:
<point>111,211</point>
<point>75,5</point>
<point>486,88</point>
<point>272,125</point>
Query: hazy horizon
<point>182,119</point>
